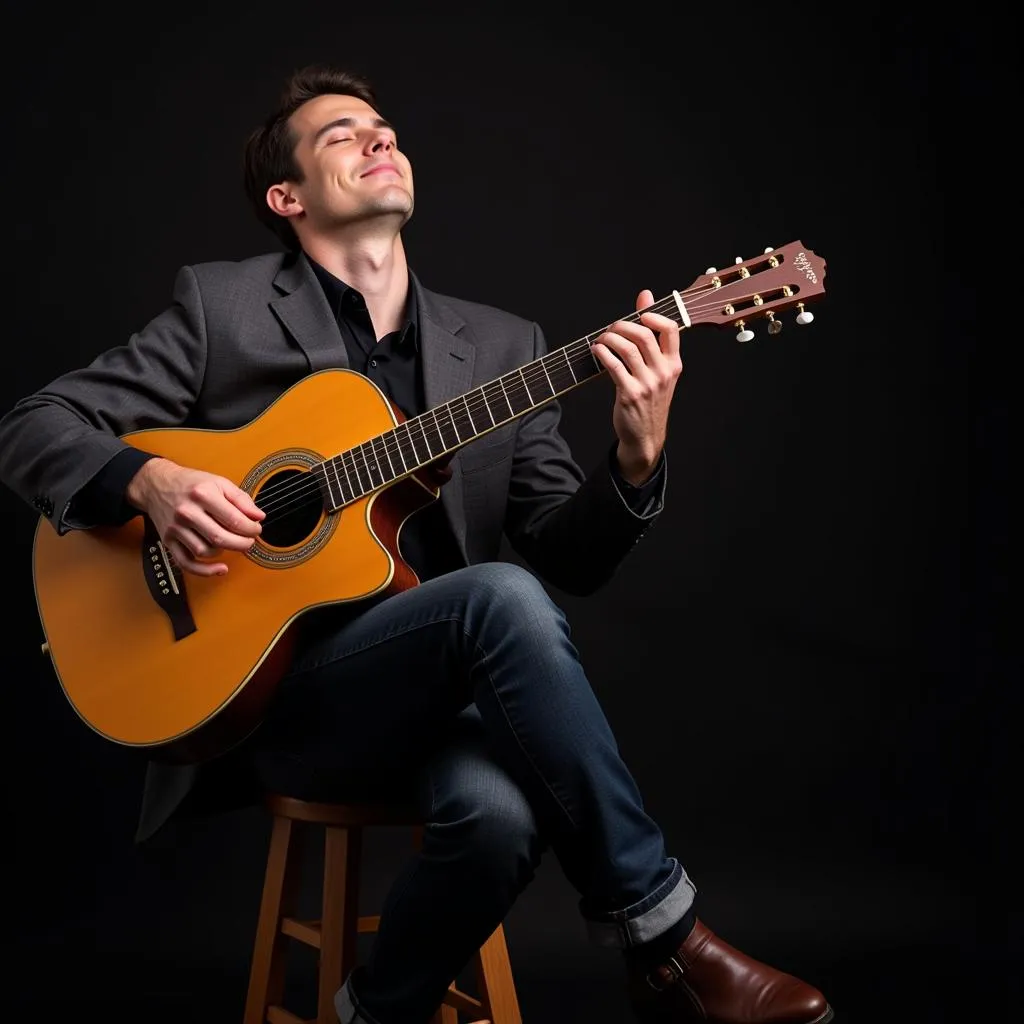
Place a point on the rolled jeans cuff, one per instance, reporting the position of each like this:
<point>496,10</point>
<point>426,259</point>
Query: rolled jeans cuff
<point>348,1008</point>
<point>646,919</point>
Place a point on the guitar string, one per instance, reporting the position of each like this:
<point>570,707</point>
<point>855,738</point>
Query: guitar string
<point>284,494</point>
<point>293,492</point>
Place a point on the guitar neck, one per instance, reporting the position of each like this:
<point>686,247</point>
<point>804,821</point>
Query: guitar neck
<point>422,439</point>
<point>755,289</point>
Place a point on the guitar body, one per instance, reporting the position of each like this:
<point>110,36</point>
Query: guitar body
<point>183,666</point>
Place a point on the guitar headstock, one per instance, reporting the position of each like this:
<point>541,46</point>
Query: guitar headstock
<point>760,288</point>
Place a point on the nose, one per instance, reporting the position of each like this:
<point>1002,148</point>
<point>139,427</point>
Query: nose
<point>381,142</point>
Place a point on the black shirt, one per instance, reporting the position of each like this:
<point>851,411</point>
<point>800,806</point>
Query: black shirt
<point>393,363</point>
<point>427,541</point>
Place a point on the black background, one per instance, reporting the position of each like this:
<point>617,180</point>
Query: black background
<point>806,661</point>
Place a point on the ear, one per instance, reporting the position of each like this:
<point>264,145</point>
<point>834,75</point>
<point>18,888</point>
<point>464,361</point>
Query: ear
<point>283,201</point>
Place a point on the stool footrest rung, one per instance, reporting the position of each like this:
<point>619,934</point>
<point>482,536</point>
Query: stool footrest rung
<point>459,1000</point>
<point>309,931</point>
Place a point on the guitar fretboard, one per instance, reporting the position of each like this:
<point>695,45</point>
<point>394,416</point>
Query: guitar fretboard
<point>421,439</point>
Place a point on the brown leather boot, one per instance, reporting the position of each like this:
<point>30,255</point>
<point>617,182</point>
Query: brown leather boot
<point>710,981</point>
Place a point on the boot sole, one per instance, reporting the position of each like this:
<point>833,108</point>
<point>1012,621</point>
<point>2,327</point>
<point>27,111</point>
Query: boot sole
<point>658,1015</point>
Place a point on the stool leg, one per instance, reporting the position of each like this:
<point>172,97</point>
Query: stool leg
<point>446,1015</point>
<point>339,918</point>
<point>494,976</point>
<point>280,887</point>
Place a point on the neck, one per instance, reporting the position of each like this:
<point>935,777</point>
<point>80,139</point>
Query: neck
<point>375,266</point>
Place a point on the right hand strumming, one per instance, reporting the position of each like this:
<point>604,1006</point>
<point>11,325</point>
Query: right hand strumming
<point>197,514</point>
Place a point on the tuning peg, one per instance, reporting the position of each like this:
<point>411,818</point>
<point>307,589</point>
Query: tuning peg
<point>774,326</point>
<point>803,317</point>
<point>739,259</point>
<point>711,270</point>
<point>745,334</point>
<point>771,248</point>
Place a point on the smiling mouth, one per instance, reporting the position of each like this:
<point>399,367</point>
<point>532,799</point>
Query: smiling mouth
<point>388,169</point>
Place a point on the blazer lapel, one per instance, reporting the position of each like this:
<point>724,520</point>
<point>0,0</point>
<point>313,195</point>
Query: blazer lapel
<point>447,373</point>
<point>303,311</point>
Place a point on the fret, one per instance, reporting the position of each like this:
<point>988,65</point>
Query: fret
<point>333,478</point>
<point>345,477</point>
<point>424,442</point>
<point>559,371</point>
<point>437,437</point>
<point>359,473</point>
<point>350,480</point>
<point>565,356</point>
<point>548,375</point>
<point>401,450</point>
<point>372,468</point>
<point>500,399</point>
<point>582,363</point>
<point>446,427</point>
<point>538,381</point>
<point>469,415</point>
<point>522,377</point>
<point>319,472</point>
<point>380,450</point>
<point>487,408</point>
<point>517,402</point>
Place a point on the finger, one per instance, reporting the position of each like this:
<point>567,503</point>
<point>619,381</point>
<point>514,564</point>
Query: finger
<point>624,381</point>
<point>216,537</point>
<point>243,501</point>
<point>185,559</point>
<point>191,540</point>
<point>631,355</point>
<point>666,329</point>
<point>640,336</point>
<point>228,511</point>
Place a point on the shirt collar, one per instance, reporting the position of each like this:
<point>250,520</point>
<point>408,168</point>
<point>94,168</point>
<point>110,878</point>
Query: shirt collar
<point>336,290</point>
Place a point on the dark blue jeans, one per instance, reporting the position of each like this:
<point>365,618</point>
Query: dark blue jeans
<point>467,695</point>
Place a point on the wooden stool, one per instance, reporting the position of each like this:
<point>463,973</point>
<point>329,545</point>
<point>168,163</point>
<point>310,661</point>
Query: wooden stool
<point>335,934</point>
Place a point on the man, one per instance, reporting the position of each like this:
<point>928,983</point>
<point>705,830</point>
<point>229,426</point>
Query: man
<point>464,689</point>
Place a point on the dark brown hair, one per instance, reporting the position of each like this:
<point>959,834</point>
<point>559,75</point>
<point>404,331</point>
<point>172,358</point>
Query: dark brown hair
<point>269,154</point>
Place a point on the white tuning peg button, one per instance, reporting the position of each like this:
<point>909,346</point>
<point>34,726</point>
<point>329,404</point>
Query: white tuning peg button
<point>745,335</point>
<point>771,248</point>
<point>739,259</point>
<point>711,270</point>
<point>803,317</point>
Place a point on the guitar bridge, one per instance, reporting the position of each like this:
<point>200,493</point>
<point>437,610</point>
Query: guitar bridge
<point>166,589</point>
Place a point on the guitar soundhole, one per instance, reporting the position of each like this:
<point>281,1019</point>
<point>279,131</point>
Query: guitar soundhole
<point>294,507</point>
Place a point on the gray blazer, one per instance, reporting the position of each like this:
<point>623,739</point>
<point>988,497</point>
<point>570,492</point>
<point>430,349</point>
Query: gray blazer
<point>237,335</point>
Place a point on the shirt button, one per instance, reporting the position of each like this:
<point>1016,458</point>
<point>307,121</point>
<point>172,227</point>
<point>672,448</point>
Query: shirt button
<point>373,362</point>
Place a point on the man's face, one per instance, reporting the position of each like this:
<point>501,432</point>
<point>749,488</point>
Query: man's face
<point>353,168</point>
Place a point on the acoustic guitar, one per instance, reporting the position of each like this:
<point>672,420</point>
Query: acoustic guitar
<point>182,667</point>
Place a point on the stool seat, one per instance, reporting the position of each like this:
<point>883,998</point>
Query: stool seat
<point>342,815</point>
<point>335,933</point>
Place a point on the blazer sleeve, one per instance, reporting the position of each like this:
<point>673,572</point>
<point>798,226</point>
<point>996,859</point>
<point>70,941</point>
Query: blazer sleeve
<point>573,529</point>
<point>55,441</point>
